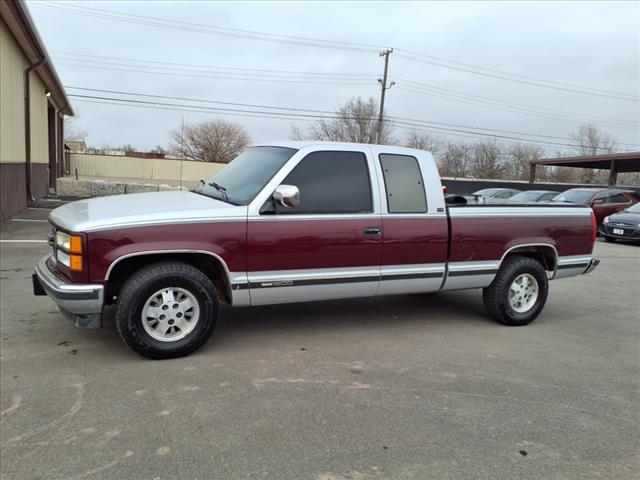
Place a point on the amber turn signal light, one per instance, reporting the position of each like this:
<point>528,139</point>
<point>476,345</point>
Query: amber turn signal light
<point>75,244</point>
<point>75,263</point>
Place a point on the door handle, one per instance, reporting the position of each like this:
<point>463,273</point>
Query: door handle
<point>374,231</point>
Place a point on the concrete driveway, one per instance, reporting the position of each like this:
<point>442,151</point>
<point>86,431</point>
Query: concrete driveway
<point>415,387</point>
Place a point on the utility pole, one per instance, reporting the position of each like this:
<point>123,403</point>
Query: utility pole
<point>182,149</point>
<point>384,87</point>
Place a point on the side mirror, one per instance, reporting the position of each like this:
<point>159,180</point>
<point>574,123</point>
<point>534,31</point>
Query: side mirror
<point>598,201</point>
<point>287,196</point>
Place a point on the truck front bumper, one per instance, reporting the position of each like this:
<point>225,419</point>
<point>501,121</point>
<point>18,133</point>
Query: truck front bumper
<point>79,303</point>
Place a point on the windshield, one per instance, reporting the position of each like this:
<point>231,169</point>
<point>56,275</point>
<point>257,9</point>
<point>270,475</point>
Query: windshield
<point>634,208</point>
<point>487,192</point>
<point>574,196</point>
<point>527,196</point>
<point>241,180</point>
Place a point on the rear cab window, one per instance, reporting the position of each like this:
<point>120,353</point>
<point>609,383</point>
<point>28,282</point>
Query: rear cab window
<point>617,198</point>
<point>403,182</point>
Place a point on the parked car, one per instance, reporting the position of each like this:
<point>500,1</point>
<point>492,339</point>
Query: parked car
<point>496,193</point>
<point>294,222</point>
<point>533,196</point>
<point>624,225</point>
<point>603,201</point>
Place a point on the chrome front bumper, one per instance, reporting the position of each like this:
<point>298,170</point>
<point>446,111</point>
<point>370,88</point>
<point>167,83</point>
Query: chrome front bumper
<point>79,303</point>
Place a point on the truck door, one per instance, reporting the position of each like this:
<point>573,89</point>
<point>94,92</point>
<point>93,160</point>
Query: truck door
<point>327,247</point>
<point>414,222</point>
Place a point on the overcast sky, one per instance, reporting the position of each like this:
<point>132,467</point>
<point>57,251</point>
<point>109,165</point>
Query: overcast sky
<point>589,44</point>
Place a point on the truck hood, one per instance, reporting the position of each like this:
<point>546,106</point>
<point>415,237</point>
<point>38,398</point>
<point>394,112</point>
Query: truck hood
<point>138,209</point>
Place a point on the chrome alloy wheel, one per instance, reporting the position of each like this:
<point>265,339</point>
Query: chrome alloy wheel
<point>170,314</point>
<point>523,293</point>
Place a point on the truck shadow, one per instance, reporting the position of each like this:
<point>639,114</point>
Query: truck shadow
<point>394,314</point>
<point>366,314</point>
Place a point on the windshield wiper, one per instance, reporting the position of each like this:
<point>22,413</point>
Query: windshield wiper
<point>221,189</point>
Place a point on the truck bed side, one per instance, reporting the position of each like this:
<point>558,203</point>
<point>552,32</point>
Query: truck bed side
<point>482,235</point>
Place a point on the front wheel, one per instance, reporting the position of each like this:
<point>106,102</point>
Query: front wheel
<point>518,293</point>
<point>609,239</point>
<point>166,310</point>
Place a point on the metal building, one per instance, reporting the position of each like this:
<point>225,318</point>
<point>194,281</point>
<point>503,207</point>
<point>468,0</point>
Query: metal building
<point>33,104</point>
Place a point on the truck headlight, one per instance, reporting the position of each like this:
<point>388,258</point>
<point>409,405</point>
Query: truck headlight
<point>69,250</point>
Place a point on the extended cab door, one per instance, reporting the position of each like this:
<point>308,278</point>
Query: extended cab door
<point>327,247</point>
<point>414,222</point>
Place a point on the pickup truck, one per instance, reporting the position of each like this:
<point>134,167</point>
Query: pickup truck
<point>294,222</point>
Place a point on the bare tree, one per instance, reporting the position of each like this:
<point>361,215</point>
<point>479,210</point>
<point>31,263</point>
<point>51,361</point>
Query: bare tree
<point>72,131</point>
<point>487,160</point>
<point>296,133</point>
<point>563,174</point>
<point>422,141</point>
<point>211,141</point>
<point>518,157</point>
<point>354,121</point>
<point>455,159</point>
<point>592,141</point>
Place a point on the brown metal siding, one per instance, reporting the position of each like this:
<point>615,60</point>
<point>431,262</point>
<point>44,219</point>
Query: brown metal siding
<point>13,194</point>
<point>39,180</point>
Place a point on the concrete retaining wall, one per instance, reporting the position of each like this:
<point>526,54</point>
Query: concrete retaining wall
<point>71,188</point>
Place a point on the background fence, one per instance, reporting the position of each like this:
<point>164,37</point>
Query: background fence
<point>170,170</point>
<point>120,166</point>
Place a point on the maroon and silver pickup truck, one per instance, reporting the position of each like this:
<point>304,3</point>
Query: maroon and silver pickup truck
<point>294,222</point>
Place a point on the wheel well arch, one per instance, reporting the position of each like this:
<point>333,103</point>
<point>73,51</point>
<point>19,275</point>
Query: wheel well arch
<point>208,263</point>
<point>545,253</point>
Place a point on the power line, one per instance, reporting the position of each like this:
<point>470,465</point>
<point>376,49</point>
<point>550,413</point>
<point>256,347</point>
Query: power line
<point>506,108</point>
<point>136,94</point>
<point>414,87</point>
<point>518,78</point>
<point>301,116</point>
<point>326,113</point>
<point>323,43</point>
<point>202,28</point>
<point>222,77</point>
<point>422,87</point>
<point>137,62</point>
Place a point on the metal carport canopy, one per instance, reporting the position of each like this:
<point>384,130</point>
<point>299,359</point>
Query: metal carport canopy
<point>614,162</point>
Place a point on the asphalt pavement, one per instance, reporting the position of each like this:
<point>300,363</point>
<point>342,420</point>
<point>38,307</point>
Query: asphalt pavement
<point>402,387</point>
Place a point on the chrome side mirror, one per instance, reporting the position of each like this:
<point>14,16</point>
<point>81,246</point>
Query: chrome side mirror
<point>287,196</point>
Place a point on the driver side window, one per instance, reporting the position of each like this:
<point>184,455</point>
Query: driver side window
<point>331,182</point>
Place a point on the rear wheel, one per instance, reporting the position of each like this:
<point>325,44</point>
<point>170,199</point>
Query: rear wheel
<point>518,293</point>
<point>166,310</point>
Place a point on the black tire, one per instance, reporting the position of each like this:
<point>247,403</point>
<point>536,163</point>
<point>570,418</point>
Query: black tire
<point>142,285</point>
<point>496,295</point>
<point>609,239</point>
